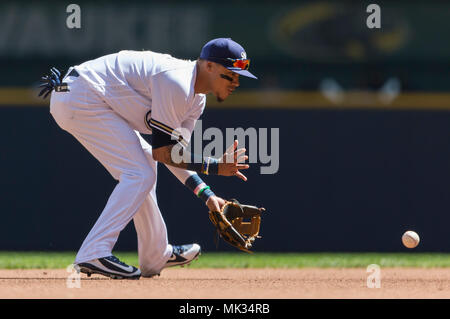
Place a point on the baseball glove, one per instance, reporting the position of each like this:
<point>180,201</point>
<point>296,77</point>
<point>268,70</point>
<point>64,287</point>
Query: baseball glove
<point>231,226</point>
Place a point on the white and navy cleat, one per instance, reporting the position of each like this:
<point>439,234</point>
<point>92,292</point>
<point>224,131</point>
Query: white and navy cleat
<point>183,255</point>
<point>110,267</point>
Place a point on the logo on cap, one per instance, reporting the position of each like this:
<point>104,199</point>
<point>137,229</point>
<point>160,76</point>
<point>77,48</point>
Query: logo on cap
<point>226,52</point>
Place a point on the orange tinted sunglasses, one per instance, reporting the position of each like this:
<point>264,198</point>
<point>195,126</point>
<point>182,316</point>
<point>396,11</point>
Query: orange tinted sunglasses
<point>242,64</point>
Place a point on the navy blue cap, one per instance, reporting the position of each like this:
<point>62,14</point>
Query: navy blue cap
<point>223,51</point>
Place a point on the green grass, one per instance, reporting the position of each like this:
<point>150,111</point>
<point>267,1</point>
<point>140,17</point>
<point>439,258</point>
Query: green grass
<point>55,260</point>
<point>322,260</point>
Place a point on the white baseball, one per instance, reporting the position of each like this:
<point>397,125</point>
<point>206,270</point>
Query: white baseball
<point>410,239</point>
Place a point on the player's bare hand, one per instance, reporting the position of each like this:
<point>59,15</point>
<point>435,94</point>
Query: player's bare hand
<point>215,203</point>
<point>232,161</point>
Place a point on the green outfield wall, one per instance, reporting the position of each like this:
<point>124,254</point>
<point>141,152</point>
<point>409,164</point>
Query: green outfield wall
<point>347,180</point>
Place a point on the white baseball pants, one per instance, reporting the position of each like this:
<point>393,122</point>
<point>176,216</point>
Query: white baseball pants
<point>128,158</point>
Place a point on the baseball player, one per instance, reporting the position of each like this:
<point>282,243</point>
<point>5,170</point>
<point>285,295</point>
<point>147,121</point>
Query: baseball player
<point>106,103</point>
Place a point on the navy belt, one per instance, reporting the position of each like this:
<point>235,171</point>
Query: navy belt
<point>64,87</point>
<point>73,73</point>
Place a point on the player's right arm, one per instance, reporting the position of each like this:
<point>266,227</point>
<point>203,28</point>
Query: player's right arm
<point>229,164</point>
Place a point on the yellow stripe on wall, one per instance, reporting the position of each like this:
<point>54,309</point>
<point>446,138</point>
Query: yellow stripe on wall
<point>22,97</point>
<point>279,100</point>
<point>316,100</point>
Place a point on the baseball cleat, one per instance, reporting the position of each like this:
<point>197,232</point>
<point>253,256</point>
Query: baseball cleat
<point>183,255</point>
<point>110,267</point>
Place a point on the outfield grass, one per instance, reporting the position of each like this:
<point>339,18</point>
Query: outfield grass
<point>56,260</point>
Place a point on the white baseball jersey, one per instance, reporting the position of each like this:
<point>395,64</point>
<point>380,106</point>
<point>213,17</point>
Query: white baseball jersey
<point>111,100</point>
<point>136,82</point>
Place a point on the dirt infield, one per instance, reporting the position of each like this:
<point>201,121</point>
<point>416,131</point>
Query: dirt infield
<point>185,283</point>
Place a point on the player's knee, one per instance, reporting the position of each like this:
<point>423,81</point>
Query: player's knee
<point>146,179</point>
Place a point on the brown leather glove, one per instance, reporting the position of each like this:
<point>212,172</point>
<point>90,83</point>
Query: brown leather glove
<point>231,226</point>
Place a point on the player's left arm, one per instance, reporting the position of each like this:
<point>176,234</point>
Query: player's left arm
<point>191,179</point>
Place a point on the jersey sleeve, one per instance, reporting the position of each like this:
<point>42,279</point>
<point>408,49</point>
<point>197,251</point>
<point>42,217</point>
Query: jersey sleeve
<point>169,110</point>
<point>189,123</point>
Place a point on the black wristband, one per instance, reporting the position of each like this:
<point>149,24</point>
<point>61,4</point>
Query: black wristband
<point>208,165</point>
<point>213,168</point>
<point>196,185</point>
<point>206,194</point>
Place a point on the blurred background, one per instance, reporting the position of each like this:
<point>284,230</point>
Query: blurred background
<point>363,116</point>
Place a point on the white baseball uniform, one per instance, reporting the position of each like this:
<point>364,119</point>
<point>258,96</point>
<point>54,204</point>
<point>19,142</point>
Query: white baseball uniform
<point>114,99</point>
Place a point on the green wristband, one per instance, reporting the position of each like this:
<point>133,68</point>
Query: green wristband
<point>202,190</point>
